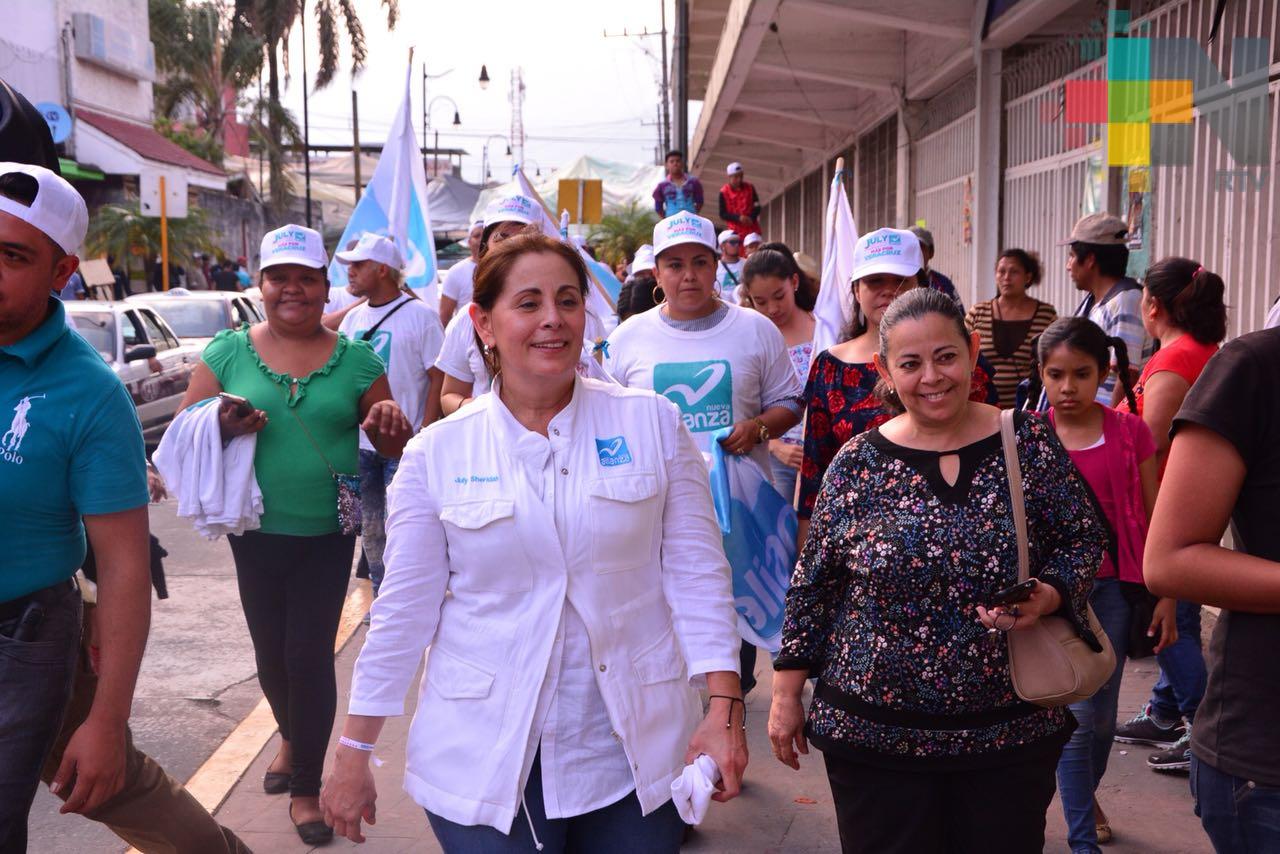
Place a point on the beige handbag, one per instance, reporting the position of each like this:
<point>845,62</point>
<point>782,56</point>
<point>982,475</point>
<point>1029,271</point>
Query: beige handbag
<point>1049,663</point>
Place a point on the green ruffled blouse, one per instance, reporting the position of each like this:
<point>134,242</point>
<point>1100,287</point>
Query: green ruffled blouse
<point>299,496</point>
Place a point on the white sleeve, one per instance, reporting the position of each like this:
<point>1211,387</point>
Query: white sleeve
<point>778,379</point>
<point>407,610</point>
<point>617,352</point>
<point>456,281</point>
<point>453,351</point>
<point>339,298</point>
<point>696,579</point>
<point>432,338</point>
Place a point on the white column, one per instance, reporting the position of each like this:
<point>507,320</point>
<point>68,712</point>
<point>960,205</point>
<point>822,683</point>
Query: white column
<point>986,175</point>
<point>902,209</point>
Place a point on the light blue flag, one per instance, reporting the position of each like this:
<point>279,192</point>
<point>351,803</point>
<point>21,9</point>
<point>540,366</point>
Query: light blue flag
<point>395,204</point>
<point>758,527</point>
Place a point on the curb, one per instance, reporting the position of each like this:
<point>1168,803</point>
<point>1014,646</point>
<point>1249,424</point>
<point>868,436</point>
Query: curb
<point>214,780</point>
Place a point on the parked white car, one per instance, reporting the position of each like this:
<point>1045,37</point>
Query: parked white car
<point>145,354</point>
<point>197,316</point>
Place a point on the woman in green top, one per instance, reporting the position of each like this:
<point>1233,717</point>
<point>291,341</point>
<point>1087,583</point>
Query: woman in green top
<point>312,390</point>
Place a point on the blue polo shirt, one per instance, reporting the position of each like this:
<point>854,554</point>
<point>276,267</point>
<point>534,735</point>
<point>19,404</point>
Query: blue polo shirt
<point>71,446</point>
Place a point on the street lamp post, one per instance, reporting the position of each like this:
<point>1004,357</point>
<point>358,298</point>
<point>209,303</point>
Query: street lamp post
<point>484,173</point>
<point>425,109</point>
<point>457,120</point>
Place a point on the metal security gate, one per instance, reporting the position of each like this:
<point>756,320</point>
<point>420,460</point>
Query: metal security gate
<point>877,177</point>
<point>1215,211</point>
<point>942,163</point>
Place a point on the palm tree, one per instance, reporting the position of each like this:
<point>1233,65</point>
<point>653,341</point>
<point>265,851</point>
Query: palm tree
<point>622,231</point>
<point>271,21</point>
<point>201,57</point>
<point>122,231</point>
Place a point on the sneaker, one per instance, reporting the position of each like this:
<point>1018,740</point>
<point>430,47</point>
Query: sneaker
<point>1176,758</point>
<point>1143,729</point>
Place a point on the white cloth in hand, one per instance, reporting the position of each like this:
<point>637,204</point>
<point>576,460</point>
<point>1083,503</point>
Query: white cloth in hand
<point>215,485</point>
<point>692,790</point>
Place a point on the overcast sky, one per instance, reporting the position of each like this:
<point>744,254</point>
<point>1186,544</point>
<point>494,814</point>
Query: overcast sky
<point>584,94</point>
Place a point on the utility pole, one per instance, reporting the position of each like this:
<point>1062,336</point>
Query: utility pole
<point>664,86</point>
<point>517,114</point>
<point>355,140</point>
<point>306,119</point>
<point>680,138</point>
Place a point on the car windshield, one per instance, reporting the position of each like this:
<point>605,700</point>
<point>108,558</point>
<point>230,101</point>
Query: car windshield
<point>192,318</point>
<point>99,329</point>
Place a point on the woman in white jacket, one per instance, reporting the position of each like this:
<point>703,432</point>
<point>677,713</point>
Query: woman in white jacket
<point>571,523</point>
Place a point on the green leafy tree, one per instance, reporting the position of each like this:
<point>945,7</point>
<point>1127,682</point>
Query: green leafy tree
<point>122,231</point>
<point>271,21</point>
<point>622,231</point>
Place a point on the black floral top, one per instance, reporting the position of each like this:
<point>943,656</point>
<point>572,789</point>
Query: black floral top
<point>882,605</point>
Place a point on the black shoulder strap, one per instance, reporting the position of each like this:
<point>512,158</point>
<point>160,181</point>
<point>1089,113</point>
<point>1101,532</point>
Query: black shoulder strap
<point>368,333</point>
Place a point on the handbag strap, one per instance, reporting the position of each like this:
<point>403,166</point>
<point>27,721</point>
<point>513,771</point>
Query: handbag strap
<point>310,438</point>
<point>368,333</point>
<point>1010,444</point>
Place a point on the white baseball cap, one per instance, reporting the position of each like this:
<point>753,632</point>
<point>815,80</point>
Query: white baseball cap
<point>887,250</point>
<point>752,239</point>
<point>684,227</point>
<point>643,260</point>
<point>735,168</point>
<point>58,209</point>
<point>373,247</point>
<point>293,244</point>
<point>727,234</point>
<point>514,208</point>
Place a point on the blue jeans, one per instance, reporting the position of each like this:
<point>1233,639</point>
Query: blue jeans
<point>1240,816</point>
<point>618,828</point>
<point>376,472</point>
<point>784,479</point>
<point>1084,758</point>
<point>35,685</point>
<point>1178,690</point>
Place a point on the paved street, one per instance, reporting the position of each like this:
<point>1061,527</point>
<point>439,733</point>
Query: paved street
<point>198,683</point>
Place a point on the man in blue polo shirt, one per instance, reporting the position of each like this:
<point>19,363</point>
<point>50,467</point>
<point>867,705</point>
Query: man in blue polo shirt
<point>71,449</point>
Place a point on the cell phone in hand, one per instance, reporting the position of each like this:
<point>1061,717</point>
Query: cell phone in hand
<point>241,405</point>
<point>1019,592</point>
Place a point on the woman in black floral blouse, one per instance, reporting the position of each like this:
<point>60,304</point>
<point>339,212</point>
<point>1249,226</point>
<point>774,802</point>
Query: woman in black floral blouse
<point>927,746</point>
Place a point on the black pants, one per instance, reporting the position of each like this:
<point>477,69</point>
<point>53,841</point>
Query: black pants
<point>292,590</point>
<point>1000,809</point>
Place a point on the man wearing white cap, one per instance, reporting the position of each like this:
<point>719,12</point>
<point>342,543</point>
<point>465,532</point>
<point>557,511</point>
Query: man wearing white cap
<point>456,289</point>
<point>71,464</point>
<point>739,202</point>
<point>406,333</point>
<point>750,244</point>
<point>637,292</point>
<point>729,270</point>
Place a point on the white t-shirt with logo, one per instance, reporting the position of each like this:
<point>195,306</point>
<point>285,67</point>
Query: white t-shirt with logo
<point>729,284</point>
<point>717,377</point>
<point>460,356</point>
<point>408,343</point>
<point>458,281</point>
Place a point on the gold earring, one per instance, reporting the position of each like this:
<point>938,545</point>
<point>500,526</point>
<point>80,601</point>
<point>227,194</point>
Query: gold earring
<point>656,290</point>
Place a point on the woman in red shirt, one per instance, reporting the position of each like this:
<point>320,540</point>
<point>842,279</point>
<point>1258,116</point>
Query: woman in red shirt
<point>1183,308</point>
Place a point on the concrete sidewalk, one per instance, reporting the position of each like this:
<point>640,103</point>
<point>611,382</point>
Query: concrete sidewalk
<point>779,811</point>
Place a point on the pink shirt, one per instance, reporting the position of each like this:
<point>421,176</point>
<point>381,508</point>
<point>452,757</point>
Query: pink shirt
<point>1111,470</point>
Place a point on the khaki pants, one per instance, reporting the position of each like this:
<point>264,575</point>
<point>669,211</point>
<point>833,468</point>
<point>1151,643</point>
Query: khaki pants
<point>153,812</point>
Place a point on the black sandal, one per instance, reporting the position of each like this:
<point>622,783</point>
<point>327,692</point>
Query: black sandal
<point>276,782</point>
<point>313,833</point>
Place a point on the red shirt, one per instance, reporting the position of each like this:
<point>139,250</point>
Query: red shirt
<point>1185,357</point>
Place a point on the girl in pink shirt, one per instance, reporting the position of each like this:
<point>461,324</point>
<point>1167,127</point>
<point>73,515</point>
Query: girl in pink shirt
<point>1116,454</point>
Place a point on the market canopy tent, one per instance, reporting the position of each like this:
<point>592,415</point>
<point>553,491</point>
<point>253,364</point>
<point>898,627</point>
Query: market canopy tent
<point>623,184</point>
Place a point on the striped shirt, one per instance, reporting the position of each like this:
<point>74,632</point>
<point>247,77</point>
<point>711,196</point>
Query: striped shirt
<point>1011,368</point>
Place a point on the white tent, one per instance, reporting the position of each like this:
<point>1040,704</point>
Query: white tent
<point>623,183</point>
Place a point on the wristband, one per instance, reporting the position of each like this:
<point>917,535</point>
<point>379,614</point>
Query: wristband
<point>358,745</point>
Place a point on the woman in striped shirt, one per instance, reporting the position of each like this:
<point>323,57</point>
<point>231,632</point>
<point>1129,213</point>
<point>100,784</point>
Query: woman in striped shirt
<point>1008,324</point>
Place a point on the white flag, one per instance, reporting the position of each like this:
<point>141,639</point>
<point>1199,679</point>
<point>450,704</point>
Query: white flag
<point>395,204</point>
<point>598,308</point>
<point>834,309</point>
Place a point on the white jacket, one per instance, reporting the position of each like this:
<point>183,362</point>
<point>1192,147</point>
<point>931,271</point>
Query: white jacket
<point>214,483</point>
<point>643,567</point>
